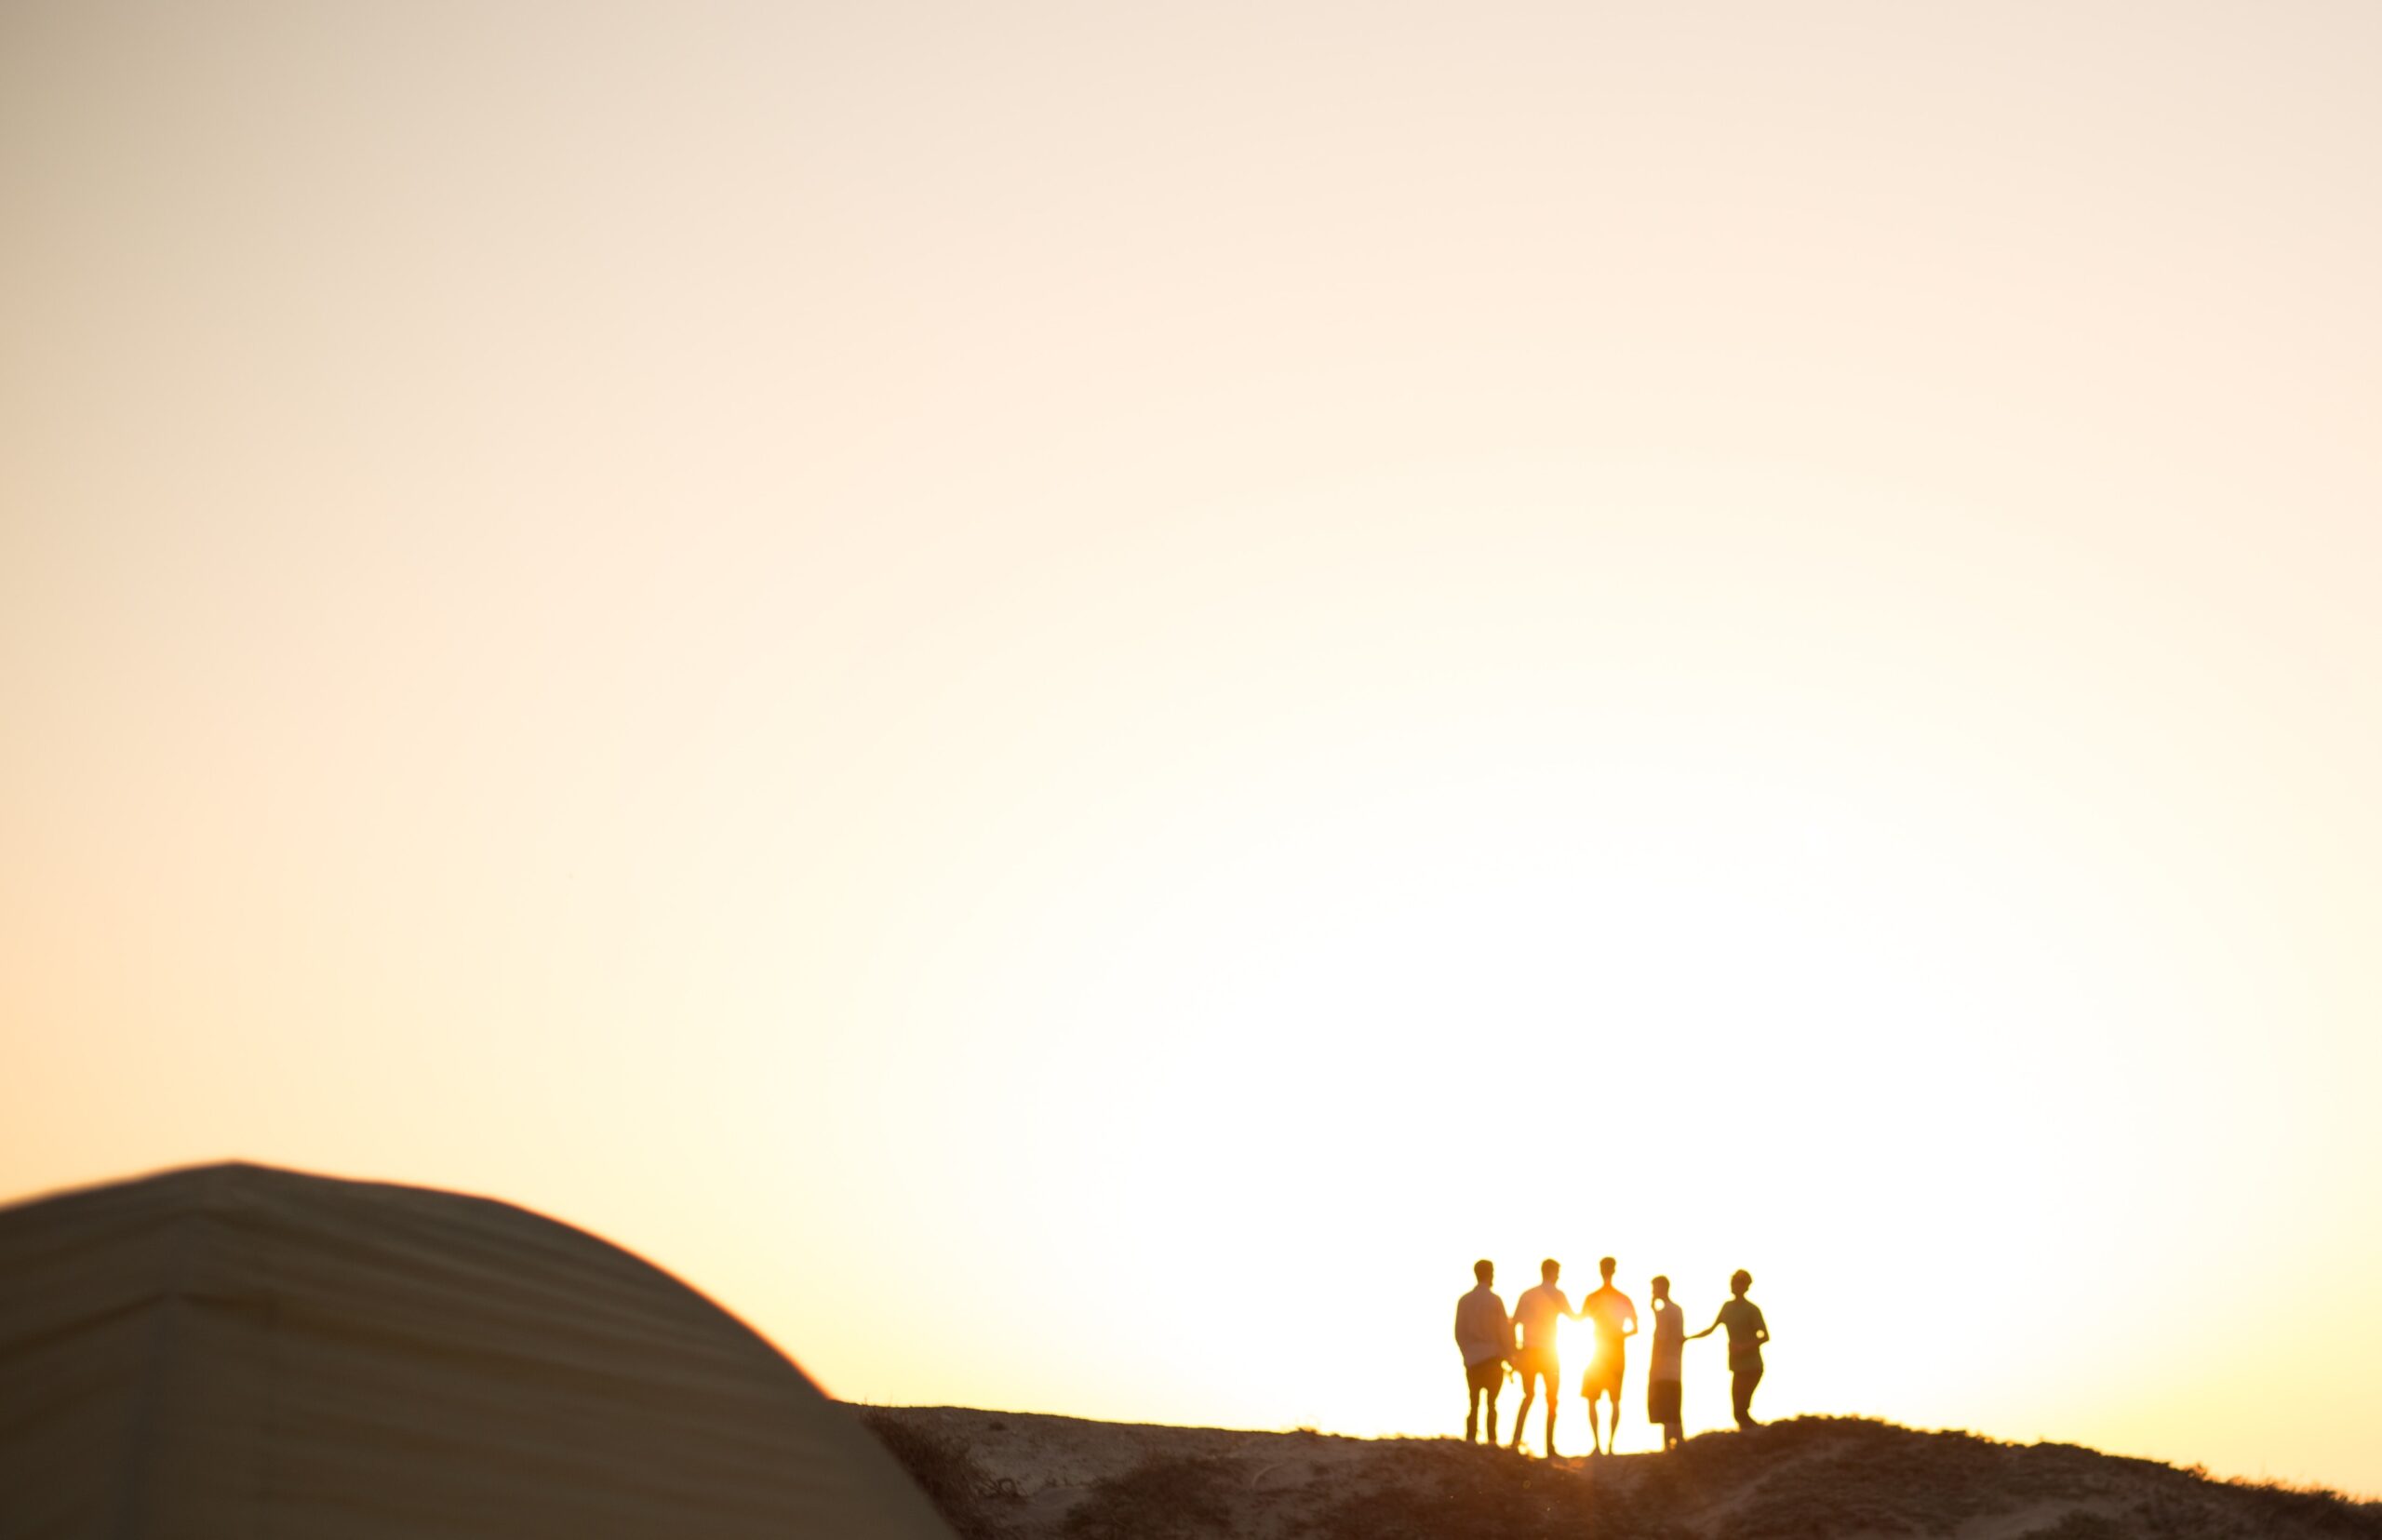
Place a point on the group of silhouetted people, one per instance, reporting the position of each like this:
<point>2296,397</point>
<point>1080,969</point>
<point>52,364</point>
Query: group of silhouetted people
<point>1494,1343</point>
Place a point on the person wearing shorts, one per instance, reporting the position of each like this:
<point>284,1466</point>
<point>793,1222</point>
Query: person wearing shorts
<point>1485,1336</point>
<point>1617,1321</point>
<point>1662,1373</point>
<point>1538,1313</point>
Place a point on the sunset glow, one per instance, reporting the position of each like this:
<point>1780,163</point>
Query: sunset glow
<point>1069,701</point>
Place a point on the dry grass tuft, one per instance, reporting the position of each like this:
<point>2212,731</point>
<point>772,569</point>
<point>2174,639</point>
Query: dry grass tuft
<point>1163,1498</point>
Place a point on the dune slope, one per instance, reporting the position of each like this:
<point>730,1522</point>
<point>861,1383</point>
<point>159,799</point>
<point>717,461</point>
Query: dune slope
<point>1015,1476</point>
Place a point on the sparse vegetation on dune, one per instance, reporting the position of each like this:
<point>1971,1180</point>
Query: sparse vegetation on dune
<point>1807,1479</point>
<point>1163,1498</point>
<point>970,1499</point>
<point>1434,1489</point>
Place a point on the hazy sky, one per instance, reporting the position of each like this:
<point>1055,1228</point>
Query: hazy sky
<point>1066,697</point>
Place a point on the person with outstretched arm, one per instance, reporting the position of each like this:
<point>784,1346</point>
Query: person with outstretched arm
<point>1538,1313</point>
<point>1748,1332</point>
<point>1485,1336</point>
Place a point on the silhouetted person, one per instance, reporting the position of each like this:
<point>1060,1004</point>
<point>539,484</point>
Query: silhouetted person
<point>1662,1373</point>
<point>1537,1312</point>
<point>1617,1321</point>
<point>1748,1332</point>
<point>1486,1338</point>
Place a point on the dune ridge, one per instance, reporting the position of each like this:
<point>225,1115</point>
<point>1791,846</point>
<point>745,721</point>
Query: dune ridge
<point>1022,1476</point>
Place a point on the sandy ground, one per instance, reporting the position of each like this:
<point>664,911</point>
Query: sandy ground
<point>1802,1480</point>
<point>1055,1461</point>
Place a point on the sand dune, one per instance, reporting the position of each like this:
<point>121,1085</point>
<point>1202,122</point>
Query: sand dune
<point>1014,1475</point>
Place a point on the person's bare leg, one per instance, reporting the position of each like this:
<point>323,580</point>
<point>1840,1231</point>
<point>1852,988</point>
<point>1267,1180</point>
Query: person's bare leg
<point>1552,1401</point>
<point>1522,1418</point>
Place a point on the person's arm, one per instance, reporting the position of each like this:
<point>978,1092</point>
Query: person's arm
<point>1706,1332</point>
<point>1761,1327</point>
<point>1629,1324</point>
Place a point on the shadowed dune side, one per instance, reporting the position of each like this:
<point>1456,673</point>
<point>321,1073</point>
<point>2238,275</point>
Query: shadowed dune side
<point>1016,1475</point>
<point>235,1350</point>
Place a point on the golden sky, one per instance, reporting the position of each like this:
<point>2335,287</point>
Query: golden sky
<point>1069,697</point>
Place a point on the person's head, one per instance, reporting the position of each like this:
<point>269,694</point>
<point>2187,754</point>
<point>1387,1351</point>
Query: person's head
<point>1606,1266</point>
<point>1739,1281</point>
<point>1485,1271</point>
<point>1662,1285</point>
<point>1550,1269</point>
